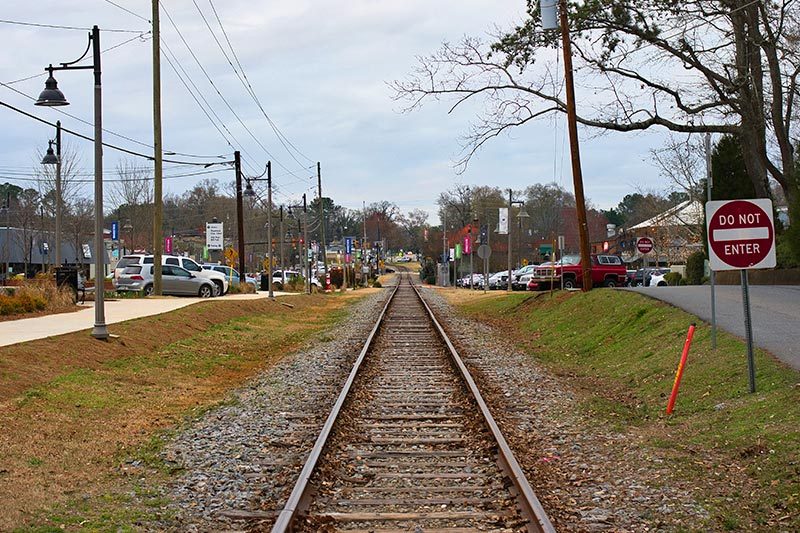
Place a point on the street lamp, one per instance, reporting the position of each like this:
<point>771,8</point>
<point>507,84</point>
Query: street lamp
<point>51,96</point>
<point>307,268</point>
<point>54,158</point>
<point>129,227</point>
<point>522,214</point>
<point>511,204</point>
<point>250,193</point>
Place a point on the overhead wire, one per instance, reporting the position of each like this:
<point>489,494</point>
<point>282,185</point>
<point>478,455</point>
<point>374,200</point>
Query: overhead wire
<point>105,130</point>
<point>216,89</point>
<point>112,146</point>
<point>61,27</point>
<point>125,9</point>
<point>246,82</point>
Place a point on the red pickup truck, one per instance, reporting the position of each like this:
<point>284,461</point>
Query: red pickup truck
<point>607,270</point>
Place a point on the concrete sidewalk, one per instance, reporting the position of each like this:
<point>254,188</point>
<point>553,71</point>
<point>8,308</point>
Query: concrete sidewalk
<point>28,329</point>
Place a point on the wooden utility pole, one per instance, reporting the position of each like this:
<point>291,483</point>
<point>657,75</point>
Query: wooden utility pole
<point>237,162</point>
<point>157,153</point>
<point>577,175</point>
<point>305,245</point>
<point>322,219</point>
<point>280,228</point>
<point>269,226</point>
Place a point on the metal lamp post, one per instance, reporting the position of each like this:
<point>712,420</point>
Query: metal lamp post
<point>129,227</point>
<point>511,204</point>
<point>522,214</point>
<point>249,192</point>
<point>51,96</point>
<point>54,158</point>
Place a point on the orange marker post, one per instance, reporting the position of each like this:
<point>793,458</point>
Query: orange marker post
<point>681,366</point>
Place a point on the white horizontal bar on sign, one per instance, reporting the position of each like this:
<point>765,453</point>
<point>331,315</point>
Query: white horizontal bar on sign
<point>741,234</point>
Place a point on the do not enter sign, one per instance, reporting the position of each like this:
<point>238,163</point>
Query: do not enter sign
<point>644,245</point>
<point>741,234</point>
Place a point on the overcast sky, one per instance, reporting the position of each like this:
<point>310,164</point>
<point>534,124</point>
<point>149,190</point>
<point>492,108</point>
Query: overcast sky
<point>320,70</point>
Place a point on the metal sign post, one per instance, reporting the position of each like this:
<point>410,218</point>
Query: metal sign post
<point>741,236</point>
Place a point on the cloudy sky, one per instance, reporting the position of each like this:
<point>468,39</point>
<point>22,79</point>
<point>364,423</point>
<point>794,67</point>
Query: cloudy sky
<point>320,70</point>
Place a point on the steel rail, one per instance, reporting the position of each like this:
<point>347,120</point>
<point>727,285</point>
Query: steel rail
<point>529,503</point>
<point>299,496</point>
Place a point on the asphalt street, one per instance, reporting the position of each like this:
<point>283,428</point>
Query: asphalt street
<point>775,310</point>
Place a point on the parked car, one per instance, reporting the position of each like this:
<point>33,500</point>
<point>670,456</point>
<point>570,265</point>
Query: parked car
<point>131,260</point>
<point>281,277</point>
<point>218,279</point>
<point>499,280</point>
<point>657,277</point>
<point>516,280</point>
<point>641,278</point>
<point>231,274</point>
<point>607,270</point>
<point>175,281</point>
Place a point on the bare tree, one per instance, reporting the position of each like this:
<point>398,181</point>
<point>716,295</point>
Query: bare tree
<point>79,225</point>
<point>456,205</point>
<point>26,218</point>
<point>724,66</point>
<point>682,163</point>
<point>414,224</point>
<point>131,194</point>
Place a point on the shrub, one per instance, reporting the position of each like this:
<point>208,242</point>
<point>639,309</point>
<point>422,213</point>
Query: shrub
<point>27,300</point>
<point>337,277</point>
<point>427,274</point>
<point>673,278</point>
<point>695,268</point>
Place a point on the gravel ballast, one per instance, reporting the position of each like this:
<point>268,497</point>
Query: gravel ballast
<point>239,462</point>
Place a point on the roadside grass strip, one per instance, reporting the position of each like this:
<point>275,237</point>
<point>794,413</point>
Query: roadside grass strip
<point>620,350</point>
<point>79,437</point>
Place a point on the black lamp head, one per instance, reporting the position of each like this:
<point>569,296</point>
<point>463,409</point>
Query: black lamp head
<point>51,96</point>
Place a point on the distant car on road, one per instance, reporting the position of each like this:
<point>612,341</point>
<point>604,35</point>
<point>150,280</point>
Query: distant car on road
<point>232,274</point>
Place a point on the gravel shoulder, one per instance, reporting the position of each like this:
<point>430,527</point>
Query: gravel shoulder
<point>238,463</point>
<point>589,478</point>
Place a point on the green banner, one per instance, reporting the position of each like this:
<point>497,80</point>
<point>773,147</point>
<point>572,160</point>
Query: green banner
<point>458,251</point>
<point>205,253</point>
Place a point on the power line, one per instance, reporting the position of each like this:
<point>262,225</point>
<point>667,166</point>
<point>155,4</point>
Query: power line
<point>246,82</point>
<point>125,9</point>
<point>219,93</point>
<point>33,178</point>
<point>59,27</point>
<point>113,147</point>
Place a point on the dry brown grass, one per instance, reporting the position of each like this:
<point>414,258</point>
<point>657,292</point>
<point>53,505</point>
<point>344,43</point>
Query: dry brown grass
<point>73,408</point>
<point>35,296</point>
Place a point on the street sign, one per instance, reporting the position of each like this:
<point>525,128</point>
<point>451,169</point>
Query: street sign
<point>484,252</point>
<point>644,245</point>
<point>741,234</point>
<point>452,256</point>
<point>115,231</point>
<point>214,235</point>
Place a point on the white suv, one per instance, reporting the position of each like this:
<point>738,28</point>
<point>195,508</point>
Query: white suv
<point>219,279</point>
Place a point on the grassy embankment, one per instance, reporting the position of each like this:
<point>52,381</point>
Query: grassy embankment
<point>620,350</point>
<point>82,422</point>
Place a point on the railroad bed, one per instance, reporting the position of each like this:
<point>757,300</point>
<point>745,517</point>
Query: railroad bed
<point>410,449</point>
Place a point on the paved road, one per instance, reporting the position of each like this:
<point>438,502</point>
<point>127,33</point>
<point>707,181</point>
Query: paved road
<point>775,310</point>
<point>28,329</point>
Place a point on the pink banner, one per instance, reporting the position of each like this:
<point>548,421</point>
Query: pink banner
<point>467,245</point>
<point>167,245</point>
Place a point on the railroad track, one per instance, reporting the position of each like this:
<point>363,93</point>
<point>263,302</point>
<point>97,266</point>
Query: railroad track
<point>410,444</point>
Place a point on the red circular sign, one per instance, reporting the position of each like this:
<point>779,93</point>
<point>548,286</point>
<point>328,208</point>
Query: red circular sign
<point>740,234</point>
<point>644,245</point>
